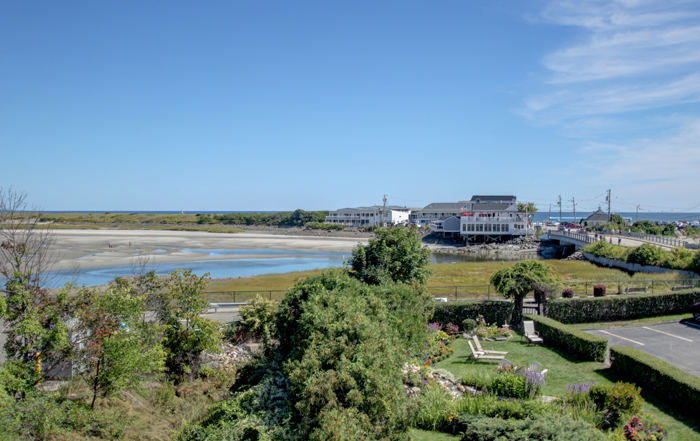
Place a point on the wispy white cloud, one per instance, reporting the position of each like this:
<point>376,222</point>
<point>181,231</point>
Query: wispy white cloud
<point>633,55</point>
<point>648,170</point>
<point>623,38</point>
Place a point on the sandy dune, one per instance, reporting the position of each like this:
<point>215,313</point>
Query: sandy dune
<point>90,248</point>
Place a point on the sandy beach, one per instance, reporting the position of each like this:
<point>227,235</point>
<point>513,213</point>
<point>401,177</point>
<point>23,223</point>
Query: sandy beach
<point>90,248</point>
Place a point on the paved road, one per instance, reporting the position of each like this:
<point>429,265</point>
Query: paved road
<point>674,343</point>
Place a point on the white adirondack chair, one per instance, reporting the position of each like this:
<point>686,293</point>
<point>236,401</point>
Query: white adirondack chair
<point>480,355</point>
<point>530,333</point>
<point>480,349</point>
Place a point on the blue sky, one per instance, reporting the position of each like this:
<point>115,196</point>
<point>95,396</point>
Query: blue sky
<point>271,105</point>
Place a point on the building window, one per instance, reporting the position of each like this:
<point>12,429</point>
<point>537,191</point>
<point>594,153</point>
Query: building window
<point>505,228</point>
<point>488,227</point>
<point>496,227</point>
<point>464,227</point>
<point>481,227</point>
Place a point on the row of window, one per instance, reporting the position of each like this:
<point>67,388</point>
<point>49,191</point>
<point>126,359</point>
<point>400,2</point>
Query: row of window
<point>499,228</point>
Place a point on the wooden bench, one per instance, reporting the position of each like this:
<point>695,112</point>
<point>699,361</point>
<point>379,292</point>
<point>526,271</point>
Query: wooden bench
<point>680,288</point>
<point>635,289</point>
<point>216,306</point>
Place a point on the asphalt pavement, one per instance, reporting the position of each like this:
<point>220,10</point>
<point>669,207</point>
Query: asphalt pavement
<point>675,343</point>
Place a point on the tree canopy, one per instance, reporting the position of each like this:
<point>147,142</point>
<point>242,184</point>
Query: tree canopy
<point>518,280</point>
<point>395,255</point>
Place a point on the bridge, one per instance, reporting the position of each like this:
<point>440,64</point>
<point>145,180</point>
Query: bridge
<point>580,240</point>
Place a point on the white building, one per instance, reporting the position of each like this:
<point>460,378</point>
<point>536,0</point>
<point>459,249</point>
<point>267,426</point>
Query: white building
<point>493,218</point>
<point>368,216</point>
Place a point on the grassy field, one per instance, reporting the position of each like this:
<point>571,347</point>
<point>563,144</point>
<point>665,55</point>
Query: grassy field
<point>122,218</point>
<point>143,227</point>
<point>564,370</point>
<point>574,274</point>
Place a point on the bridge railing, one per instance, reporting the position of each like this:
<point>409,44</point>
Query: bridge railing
<point>590,238</point>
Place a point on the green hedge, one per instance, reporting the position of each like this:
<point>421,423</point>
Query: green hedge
<point>622,307</point>
<point>577,343</point>
<point>455,312</point>
<point>666,380</point>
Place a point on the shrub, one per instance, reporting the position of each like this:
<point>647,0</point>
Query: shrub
<point>602,309</point>
<point>451,329</point>
<point>478,378</point>
<point>258,319</point>
<point>457,312</point>
<point>539,427</point>
<point>567,293</point>
<point>599,291</point>
<point>468,325</point>
<point>665,380</point>
<point>342,359</point>
<point>696,312</point>
<point>647,254</point>
<point>616,401</point>
<point>578,343</point>
<point>510,385</point>
<point>433,412</point>
<point>322,226</point>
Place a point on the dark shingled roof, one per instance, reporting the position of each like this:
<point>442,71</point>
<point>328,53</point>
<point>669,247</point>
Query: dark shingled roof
<point>482,198</point>
<point>598,216</point>
<point>445,206</point>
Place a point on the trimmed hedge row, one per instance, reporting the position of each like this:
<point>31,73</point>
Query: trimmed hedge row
<point>456,312</point>
<point>664,379</point>
<point>577,343</point>
<point>622,307</point>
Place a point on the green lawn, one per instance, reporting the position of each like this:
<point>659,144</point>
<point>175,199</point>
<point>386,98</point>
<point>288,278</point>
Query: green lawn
<point>565,370</point>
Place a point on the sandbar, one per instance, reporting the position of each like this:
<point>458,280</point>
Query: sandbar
<point>91,248</point>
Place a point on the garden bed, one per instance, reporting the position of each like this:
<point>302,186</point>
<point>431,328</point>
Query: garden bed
<point>562,371</point>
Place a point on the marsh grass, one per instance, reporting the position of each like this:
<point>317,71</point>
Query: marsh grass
<point>572,273</point>
<point>142,227</point>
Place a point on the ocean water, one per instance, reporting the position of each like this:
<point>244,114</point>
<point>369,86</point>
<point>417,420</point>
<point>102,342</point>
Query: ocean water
<point>280,261</point>
<point>658,216</point>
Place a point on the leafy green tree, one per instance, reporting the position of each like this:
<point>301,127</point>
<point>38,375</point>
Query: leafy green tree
<point>187,333</point>
<point>518,280</point>
<point>117,348</point>
<point>35,323</point>
<point>394,255</point>
<point>530,206</point>
<point>342,360</point>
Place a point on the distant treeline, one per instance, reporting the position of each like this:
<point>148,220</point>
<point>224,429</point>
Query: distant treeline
<point>297,218</point>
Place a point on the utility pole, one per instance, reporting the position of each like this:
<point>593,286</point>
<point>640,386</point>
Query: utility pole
<point>637,214</point>
<point>559,203</point>
<point>574,202</point>
<point>608,199</point>
<point>384,211</point>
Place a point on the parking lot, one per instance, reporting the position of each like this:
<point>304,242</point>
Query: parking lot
<point>675,343</point>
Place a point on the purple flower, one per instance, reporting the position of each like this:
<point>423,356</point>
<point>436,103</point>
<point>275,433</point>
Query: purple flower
<point>579,388</point>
